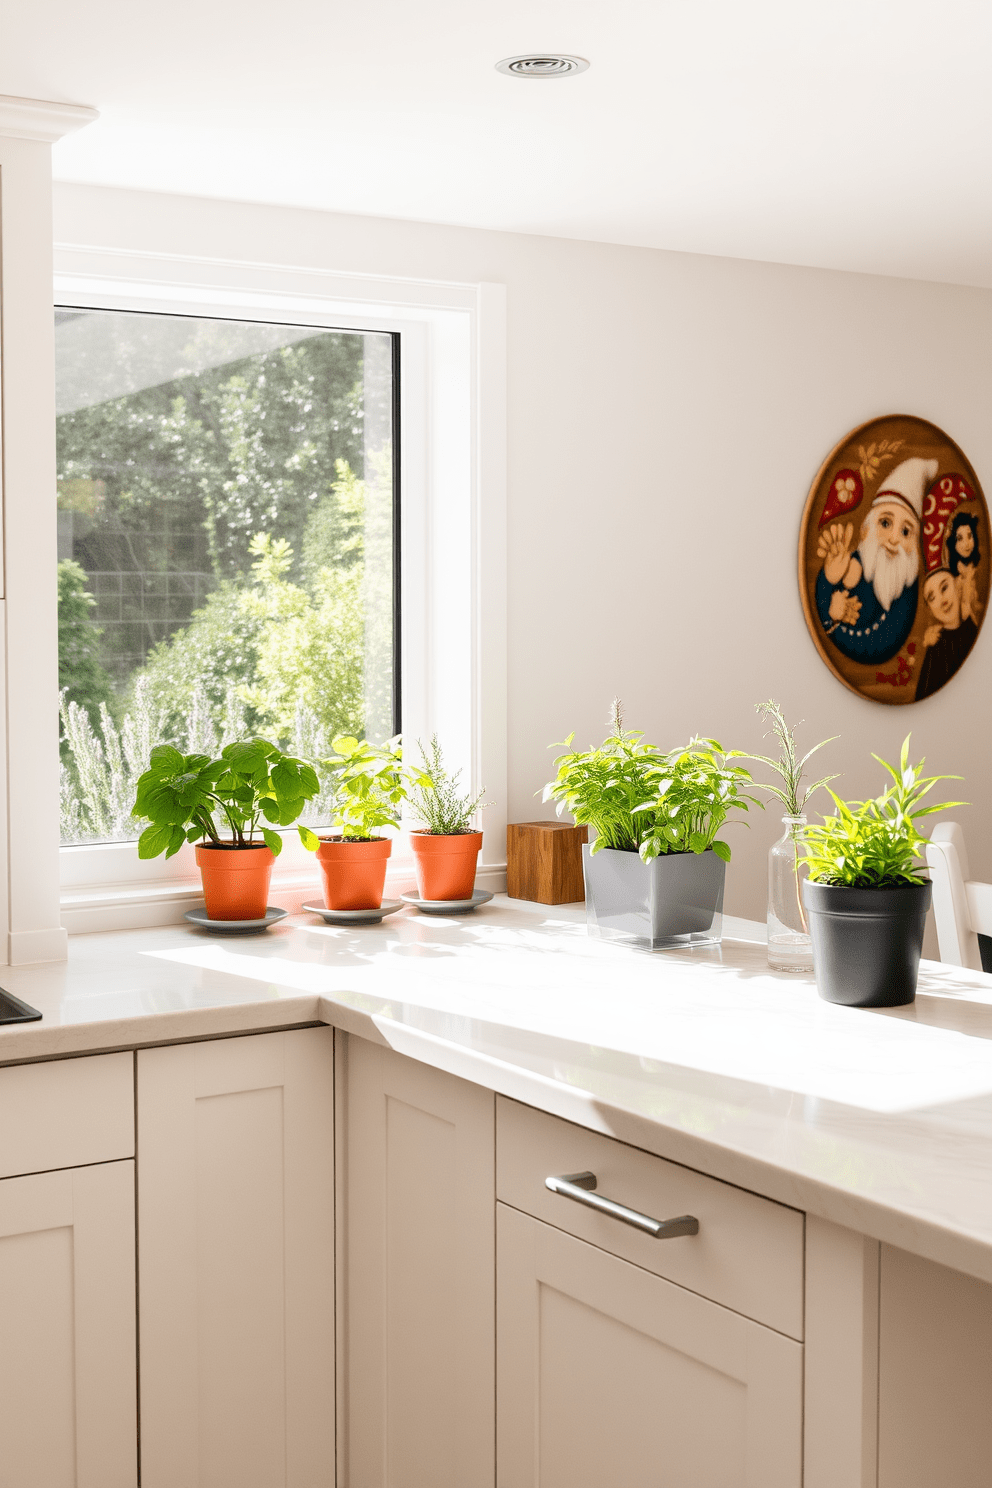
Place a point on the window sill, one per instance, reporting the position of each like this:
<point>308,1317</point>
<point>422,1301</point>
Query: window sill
<point>130,906</point>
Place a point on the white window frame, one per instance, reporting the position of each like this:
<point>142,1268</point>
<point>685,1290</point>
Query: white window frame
<point>453,534</point>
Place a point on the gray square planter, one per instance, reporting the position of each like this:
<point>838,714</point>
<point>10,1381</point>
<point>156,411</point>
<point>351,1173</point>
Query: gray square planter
<point>676,899</point>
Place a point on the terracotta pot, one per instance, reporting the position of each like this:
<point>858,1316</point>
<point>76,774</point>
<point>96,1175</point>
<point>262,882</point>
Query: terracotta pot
<point>235,880</point>
<point>354,873</point>
<point>445,865</point>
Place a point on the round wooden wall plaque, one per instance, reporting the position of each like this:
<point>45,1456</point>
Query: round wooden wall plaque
<point>894,559</point>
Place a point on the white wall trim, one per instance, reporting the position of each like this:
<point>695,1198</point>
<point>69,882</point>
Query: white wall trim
<point>453,514</point>
<point>31,768</point>
<point>37,119</point>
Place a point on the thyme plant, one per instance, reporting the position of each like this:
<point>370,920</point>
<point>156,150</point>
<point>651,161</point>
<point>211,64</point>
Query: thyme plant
<point>438,802</point>
<point>875,844</point>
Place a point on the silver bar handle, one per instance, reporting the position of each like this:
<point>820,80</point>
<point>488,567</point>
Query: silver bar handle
<point>578,1186</point>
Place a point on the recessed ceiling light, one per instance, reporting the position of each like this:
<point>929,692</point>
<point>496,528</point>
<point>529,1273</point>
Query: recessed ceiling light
<point>542,65</point>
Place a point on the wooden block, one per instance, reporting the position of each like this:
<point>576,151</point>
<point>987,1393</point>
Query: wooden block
<point>544,862</point>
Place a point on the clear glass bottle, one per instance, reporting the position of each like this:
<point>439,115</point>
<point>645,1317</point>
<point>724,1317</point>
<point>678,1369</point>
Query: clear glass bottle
<point>789,945</point>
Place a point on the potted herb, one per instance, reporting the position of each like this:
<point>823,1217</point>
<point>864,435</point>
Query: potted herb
<point>789,944</point>
<point>655,873</point>
<point>865,899</point>
<point>445,847</point>
<point>251,784</point>
<point>368,792</point>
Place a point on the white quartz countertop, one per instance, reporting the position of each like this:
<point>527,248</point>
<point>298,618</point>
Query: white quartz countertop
<point>880,1120</point>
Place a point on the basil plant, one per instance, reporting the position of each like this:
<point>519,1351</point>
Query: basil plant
<point>251,788</point>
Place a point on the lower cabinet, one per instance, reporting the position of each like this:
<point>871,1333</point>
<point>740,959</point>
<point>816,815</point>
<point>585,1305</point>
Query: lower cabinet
<point>609,1374</point>
<point>417,1274</point>
<point>935,1375</point>
<point>625,1358</point>
<point>490,1332</point>
<point>607,1370</point>
<point>67,1329</point>
<point>235,1251</point>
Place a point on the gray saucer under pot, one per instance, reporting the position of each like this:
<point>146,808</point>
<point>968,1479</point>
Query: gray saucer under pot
<point>446,906</point>
<point>355,916</point>
<point>200,918</point>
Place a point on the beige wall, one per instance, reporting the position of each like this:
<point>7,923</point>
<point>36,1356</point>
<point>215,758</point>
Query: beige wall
<point>666,416</point>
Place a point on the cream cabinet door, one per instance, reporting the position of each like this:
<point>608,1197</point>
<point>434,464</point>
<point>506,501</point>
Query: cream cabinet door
<point>607,1374</point>
<point>236,1262</point>
<point>416,1252</point>
<point>67,1325</point>
<point>935,1376</point>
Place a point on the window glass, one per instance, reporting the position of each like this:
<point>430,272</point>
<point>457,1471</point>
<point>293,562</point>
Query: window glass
<point>227,555</point>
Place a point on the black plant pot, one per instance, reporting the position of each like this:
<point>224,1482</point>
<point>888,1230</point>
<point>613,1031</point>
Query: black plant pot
<point>867,943</point>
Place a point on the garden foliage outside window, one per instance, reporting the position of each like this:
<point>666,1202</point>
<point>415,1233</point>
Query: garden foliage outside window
<point>226,552</point>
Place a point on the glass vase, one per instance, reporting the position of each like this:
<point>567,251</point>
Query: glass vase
<point>789,945</point>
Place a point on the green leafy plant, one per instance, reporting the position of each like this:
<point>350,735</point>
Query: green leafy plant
<point>184,795</point>
<point>641,799</point>
<point>437,801</point>
<point>875,844</point>
<point>367,789</point>
<point>792,794</point>
<point>697,790</point>
<point>605,787</point>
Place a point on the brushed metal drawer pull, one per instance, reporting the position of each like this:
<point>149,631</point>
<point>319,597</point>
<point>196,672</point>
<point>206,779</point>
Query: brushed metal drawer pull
<point>577,1186</point>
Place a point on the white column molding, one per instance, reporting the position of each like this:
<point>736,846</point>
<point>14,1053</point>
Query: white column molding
<point>36,119</point>
<point>29,903</point>
<point>841,1409</point>
<point>490,763</point>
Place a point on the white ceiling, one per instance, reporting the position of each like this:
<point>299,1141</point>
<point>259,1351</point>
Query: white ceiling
<point>854,134</point>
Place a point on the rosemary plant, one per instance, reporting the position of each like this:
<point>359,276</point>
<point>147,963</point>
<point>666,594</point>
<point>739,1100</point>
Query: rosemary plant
<point>788,766</point>
<point>792,793</point>
<point>438,803</point>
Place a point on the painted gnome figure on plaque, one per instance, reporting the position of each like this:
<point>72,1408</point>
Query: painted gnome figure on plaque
<point>866,599</point>
<point>949,588</point>
<point>894,559</point>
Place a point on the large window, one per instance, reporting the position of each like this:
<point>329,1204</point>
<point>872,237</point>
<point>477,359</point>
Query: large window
<point>227,544</point>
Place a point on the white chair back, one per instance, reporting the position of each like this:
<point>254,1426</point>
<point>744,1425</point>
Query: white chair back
<point>962,909</point>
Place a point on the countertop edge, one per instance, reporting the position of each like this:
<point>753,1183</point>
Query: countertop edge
<point>913,1232</point>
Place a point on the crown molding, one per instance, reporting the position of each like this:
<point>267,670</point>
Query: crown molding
<point>35,119</point>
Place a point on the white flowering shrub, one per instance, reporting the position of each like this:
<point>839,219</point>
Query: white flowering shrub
<point>99,776</point>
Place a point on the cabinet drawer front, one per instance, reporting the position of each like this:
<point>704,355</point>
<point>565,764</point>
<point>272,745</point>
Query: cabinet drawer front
<point>66,1113</point>
<point>609,1375</point>
<point>748,1254</point>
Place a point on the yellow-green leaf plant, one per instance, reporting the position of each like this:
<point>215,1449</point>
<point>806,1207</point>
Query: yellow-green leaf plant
<point>367,789</point>
<point>875,844</point>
